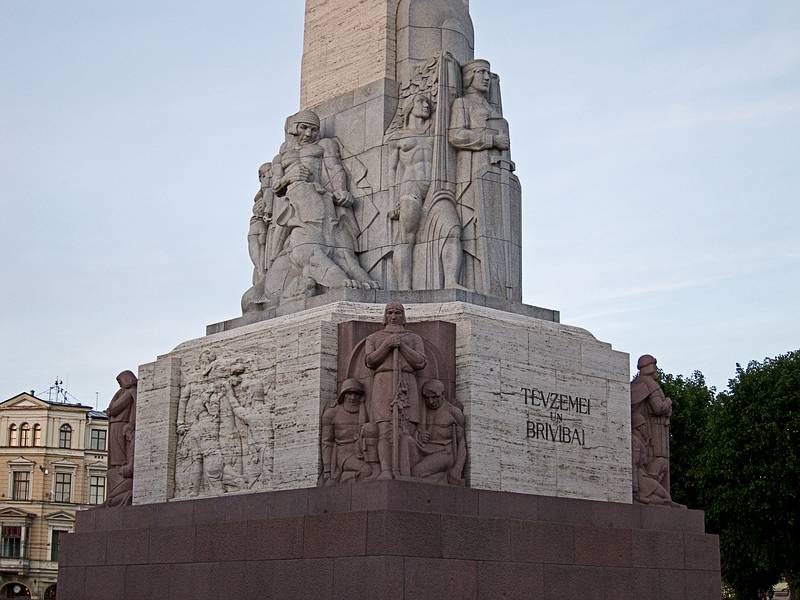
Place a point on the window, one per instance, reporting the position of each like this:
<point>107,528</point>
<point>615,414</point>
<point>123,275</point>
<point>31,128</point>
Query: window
<point>24,435</point>
<point>37,435</point>
<point>12,435</point>
<point>12,541</point>
<point>63,490</point>
<point>65,436</point>
<point>97,489</point>
<point>50,593</point>
<point>55,544</point>
<point>98,439</point>
<point>21,485</point>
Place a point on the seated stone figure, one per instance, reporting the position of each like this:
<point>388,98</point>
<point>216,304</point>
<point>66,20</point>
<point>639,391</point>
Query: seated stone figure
<point>309,173</point>
<point>441,447</point>
<point>344,447</point>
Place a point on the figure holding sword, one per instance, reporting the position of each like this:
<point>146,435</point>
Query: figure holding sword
<point>395,355</point>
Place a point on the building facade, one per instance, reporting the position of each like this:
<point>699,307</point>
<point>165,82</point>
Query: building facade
<point>53,462</point>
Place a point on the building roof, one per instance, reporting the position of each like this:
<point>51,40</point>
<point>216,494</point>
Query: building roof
<point>50,402</point>
<point>98,414</point>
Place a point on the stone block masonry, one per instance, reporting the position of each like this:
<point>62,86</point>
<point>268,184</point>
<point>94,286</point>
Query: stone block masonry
<point>347,44</point>
<point>391,540</point>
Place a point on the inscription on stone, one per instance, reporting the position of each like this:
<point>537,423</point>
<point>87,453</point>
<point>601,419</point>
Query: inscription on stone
<point>551,427</point>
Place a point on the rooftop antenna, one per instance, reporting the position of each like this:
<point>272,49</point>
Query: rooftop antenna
<point>62,396</point>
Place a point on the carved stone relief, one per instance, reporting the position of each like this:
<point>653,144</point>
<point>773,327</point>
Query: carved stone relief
<point>122,433</point>
<point>430,202</point>
<point>650,413</point>
<point>395,417</point>
<point>224,425</point>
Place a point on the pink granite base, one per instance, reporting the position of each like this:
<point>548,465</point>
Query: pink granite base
<point>389,540</point>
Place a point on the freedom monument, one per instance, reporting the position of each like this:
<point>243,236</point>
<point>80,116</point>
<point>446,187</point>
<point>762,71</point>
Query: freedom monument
<point>387,418</point>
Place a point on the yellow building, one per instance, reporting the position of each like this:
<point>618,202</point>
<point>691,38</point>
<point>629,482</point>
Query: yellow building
<point>53,462</point>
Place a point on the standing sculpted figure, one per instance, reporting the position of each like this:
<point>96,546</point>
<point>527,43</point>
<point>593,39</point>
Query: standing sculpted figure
<point>394,354</point>
<point>254,423</point>
<point>411,173</point>
<point>122,433</point>
<point>309,173</point>
<point>440,438</point>
<point>650,413</point>
<point>486,186</point>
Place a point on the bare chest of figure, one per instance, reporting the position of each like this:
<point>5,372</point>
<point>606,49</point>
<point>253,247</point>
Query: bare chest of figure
<point>310,155</point>
<point>416,155</point>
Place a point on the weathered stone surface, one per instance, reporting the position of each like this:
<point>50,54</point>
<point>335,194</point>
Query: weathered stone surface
<point>507,368</point>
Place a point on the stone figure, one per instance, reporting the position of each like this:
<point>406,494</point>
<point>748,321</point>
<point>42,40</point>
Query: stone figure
<point>394,355</point>
<point>195,393</point>
<point>225,428</point>
<point>122,434</point>
<point>309,173</point>
<point>379,428</point>
<point>649,473</point>
<point>441,446</point>
<point>488,193</point>
<point>345,456</point>
<point>257,238</point>
<point>423,213</point>
<point>650,413</point>
<point>411,152</point>
<point>254,424</point>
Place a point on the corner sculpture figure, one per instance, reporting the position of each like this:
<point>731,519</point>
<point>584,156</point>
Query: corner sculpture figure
<point>122,434</point>
<point>650,413</point>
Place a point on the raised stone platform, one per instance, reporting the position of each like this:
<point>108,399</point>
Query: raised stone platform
<point>390,540</point>
<point>383,297</point>
<point>547,405</point>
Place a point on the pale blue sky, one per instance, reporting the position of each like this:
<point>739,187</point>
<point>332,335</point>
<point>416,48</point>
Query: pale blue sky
<point>657,144</point>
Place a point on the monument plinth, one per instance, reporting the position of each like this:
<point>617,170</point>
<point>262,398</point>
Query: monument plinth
<point>387,419</point>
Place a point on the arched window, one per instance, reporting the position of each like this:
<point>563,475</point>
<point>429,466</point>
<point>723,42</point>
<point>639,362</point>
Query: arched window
<point>65,436</point>
<point>37,435</point>
<point>24,435</point>
<point>50,593</point>
<point>12,435</point>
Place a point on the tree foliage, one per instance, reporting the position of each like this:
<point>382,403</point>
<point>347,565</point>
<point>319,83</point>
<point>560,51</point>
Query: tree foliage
<point>691,403</point>
<point>737,456</point>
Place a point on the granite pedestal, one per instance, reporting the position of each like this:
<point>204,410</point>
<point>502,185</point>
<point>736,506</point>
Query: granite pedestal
<point>390,540</point>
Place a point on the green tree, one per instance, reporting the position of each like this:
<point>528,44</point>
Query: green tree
<point>747,476</point>
<point>692,401</point>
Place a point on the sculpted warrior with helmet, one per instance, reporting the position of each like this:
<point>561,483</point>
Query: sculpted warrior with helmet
<point>308,172</point>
